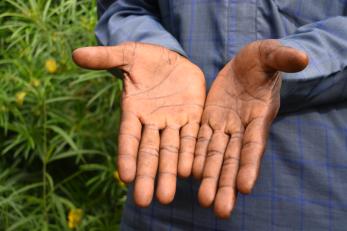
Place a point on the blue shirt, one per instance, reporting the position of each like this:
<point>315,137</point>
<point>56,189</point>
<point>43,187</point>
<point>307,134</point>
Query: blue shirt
<point>303,180</point>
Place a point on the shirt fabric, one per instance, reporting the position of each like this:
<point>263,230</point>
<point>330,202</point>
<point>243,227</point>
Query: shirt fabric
<point>303,179</point>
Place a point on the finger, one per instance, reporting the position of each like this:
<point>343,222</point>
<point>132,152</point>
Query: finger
<point>253,147</point>
<point>168,159</point>
<point>102,57</point>
<point>213,164</point>
<point>226,194</point>
<point>204,136</point>
<point>128,143</point>
<point>225,202</point>
<point>277,57</point>
<point>147,166</point>
<point>187,146</point>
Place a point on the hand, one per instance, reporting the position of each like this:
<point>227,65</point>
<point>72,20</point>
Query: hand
<point>162,103</point>
<point>240,107</point>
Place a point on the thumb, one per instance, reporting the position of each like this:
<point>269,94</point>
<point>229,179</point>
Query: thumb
<point>276,57</point>
<point>99,57</point>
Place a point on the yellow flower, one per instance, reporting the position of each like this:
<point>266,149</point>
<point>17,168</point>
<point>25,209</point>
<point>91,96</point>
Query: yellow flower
<point>35,82</point>
<point>20,96</point>
<point>74,218</point>
<point>116,176</point>
<point>3,108</point>
<point>51,66</point>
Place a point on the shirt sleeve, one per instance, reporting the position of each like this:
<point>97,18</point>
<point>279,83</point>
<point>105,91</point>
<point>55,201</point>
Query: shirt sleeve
<point>133,20</point>
<point>325,78</point>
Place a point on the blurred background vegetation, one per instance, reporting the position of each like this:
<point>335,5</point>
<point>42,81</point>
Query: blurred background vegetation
<point>58,123</point>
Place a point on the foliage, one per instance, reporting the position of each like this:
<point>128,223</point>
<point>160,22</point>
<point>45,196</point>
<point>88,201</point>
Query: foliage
<point>58,123</point>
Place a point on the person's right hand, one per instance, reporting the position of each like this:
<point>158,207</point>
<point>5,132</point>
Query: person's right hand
<point>162,103</point>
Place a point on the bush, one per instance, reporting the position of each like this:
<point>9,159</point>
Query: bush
<point>58,123</point>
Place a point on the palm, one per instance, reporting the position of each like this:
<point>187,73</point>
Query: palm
<point>240,107</point>
<point>164,89</point>
<point>235,99</point>
<point>162,103</point>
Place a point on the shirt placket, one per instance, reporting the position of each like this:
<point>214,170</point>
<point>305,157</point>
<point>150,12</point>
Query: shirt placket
<point>241,25</point>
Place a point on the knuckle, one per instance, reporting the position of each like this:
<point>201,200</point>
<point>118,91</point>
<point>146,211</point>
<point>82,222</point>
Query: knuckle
<point>186,152</point>
<point>128,135</point>
<point>188,137</point>
<point>230,187</point>
<point>199,154</point>
<point>210,177</point>
<point>145,176</point>
<point>214,152</point>
<point>169,148</point>
<point>149,151</point>
<point>203,140</point>
<point>230,160</point>
<point>252,144</point>
<point>237,135</point>
<point>126,156</point>
<point>167,173</point>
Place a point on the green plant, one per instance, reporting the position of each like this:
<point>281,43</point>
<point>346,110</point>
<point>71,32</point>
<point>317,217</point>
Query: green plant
<point>58,123</point>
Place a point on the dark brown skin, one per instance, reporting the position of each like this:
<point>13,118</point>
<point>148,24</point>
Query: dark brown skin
<point>162,104</point>
<point>240,107</point>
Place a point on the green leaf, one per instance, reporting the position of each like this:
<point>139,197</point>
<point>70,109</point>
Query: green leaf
<point>67,138</point>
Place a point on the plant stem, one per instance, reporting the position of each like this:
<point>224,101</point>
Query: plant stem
<point>44,167</point>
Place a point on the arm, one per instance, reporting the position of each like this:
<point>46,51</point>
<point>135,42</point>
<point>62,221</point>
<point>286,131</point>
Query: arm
<point>324,80</point>
<point>130,20</point>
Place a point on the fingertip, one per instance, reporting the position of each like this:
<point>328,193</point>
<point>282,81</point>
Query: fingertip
<point>126,178</point>
<point>296,60</point>
<point>278,57</point>
<point>244,188</point>
<point>222,211</point>
<point>90,57</point>
<point>197,171</point>
<point>126,169</point>
<point>165,196</point>
<point>184,170</point>
<point>245,182</point>
<point>224,203</point>
<point>98,57</point>
<point>198,166</point>
<point>143,193</point>
<point>185,164</point>
<point>142,201</point>
<point>77,55</point>
<point>166,189</point>
<point>304,59</point>
<point>206,194</point>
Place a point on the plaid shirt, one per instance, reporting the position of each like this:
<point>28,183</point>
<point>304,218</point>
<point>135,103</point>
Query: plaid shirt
<point>303,181</point>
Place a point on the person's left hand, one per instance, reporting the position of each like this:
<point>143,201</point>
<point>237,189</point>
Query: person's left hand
<point>239,109</point>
